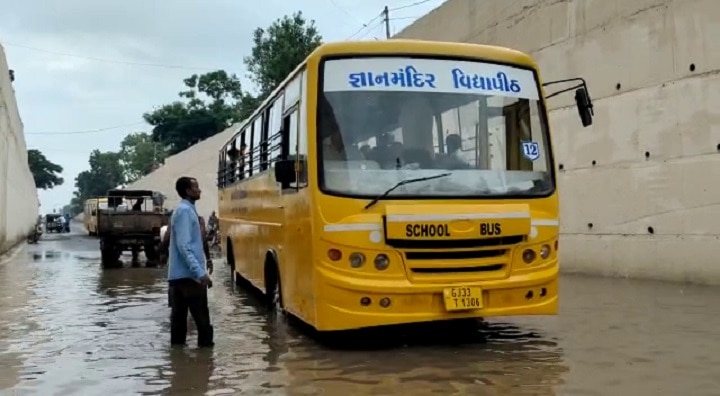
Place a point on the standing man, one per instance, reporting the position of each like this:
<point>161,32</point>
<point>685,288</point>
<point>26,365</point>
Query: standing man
<point>187,274</point>
<point>164,247</point>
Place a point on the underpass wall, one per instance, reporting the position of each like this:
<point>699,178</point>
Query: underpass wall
<point>639,191</point>
<point>199,161</point>
<point>18,195</point>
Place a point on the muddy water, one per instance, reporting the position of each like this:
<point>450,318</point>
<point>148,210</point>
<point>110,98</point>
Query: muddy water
<point>66,327</point>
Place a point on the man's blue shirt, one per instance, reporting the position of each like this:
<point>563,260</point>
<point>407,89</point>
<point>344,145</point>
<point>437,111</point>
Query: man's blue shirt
<point>186,256</point>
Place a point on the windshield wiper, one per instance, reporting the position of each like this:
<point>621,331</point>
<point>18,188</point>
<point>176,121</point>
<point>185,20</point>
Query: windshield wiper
<point>402,183</point>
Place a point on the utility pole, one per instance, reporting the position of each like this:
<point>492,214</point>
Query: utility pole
<point>386,14</point>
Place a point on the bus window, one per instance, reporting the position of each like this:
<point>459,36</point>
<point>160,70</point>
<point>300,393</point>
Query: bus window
<point>290,130</point>
<point>241,143</point>
<point>484,139</point>
<point>275,132</point>
<point>259,145</point>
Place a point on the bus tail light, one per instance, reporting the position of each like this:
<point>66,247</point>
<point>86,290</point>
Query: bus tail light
<point>545,252</point>
<point>528,256</point>
<point>382,262</point>
<point>334,254</point>
<point>356,260</point>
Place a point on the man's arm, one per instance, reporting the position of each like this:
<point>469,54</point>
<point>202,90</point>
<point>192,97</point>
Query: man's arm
<point>181,232</point>
<point>164,248</point>
<point>206,246</point>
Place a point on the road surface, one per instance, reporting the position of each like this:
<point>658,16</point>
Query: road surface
<point>67,327</point>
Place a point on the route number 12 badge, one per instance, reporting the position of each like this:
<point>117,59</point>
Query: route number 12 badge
<point>531,150</point>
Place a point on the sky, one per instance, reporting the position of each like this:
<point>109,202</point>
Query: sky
<point>86,70</point>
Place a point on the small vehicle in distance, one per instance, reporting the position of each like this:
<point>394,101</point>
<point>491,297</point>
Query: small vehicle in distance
<point>53,223</point>
<point>132,221</point>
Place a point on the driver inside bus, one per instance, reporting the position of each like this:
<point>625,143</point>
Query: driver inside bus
<point>334,147</point>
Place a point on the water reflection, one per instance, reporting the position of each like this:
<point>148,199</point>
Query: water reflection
<point>50,255</point>
<point>190,372</point>
<point>498,356</point>
<point>470,358</point>
<point>130,282</point>
<point>69,327</point>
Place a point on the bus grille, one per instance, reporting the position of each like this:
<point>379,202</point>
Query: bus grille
<point>455,244</point>
<point>458,270</point>
<point>455,254</point>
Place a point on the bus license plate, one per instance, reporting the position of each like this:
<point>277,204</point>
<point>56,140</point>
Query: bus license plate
<point>462,298</point>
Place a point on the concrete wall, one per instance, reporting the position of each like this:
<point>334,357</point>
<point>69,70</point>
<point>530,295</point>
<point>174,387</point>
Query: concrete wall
<point>651,162</point>
<point>199,161</point>
<point>18,195</point>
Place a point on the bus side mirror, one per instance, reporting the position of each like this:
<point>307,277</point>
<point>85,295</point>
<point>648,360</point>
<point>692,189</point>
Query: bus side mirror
<point>585,107</point>
<point>285,172</point>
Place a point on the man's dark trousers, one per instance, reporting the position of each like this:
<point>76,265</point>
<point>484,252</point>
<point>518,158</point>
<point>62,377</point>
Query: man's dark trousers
<point>189,295</point>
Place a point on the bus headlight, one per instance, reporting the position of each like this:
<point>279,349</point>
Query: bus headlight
<point>356,260</point>
<point>545,252</point>
<point>382,262</point>
<point>528,256</point>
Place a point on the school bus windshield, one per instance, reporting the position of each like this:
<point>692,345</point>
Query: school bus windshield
<point>386,119</point>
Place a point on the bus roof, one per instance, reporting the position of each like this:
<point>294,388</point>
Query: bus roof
<point>398,47</point>
<point>426,47</point>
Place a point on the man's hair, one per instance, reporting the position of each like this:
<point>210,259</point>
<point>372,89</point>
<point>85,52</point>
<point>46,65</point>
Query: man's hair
<point>182,185</point>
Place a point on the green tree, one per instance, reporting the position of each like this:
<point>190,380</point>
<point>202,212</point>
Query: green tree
<point>140,155</point>
<point>279,49</point>
<point>105,173</point>
<point>45,173</point>
<point>212,102</point>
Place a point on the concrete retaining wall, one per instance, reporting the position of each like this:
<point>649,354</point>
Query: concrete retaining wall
<point>199,161</point>
<point>18,195</point>
<point>639,195</point>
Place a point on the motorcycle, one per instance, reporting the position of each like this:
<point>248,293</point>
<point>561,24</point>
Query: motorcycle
<point>34,237</point>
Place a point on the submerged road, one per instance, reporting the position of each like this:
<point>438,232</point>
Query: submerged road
<point>69,328</point>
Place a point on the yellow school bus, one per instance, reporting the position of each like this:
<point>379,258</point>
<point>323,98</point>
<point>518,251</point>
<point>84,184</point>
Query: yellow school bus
<point>398,181</point>
<point>90,214</point>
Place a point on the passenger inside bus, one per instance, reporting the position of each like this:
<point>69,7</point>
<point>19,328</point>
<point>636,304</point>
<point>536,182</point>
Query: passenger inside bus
<point>452,159</point>
<point>335,148</point>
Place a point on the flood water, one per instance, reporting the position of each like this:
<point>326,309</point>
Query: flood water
<point>67,327</point>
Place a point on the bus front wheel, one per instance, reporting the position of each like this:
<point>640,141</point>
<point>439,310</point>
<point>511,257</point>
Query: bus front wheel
<point>230,258</point>
<point>273,286</point>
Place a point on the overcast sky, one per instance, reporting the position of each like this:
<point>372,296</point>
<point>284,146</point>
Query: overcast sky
<point>84,73</point>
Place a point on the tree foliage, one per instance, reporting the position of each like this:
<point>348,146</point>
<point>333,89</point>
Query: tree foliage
<point>208,104</point>
<point>279,49</point>
<point>106,173</point>
<point>140,155</point>
<point>45,172</point>
<point>212,102</point>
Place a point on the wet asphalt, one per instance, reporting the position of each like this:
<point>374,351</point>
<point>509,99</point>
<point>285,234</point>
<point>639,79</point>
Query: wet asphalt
<point>67,327</point>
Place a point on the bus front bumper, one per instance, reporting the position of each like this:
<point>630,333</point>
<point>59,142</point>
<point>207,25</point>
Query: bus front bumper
<point>346,303</point>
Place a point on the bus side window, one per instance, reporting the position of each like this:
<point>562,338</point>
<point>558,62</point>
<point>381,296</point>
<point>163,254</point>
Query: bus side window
<point>302,143</point>
<point>264,163</point>
<point>259,144</point>
<point>242,159</point>
<point>250,150</point>
<point>290,140</point>
<point>275,134</point>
